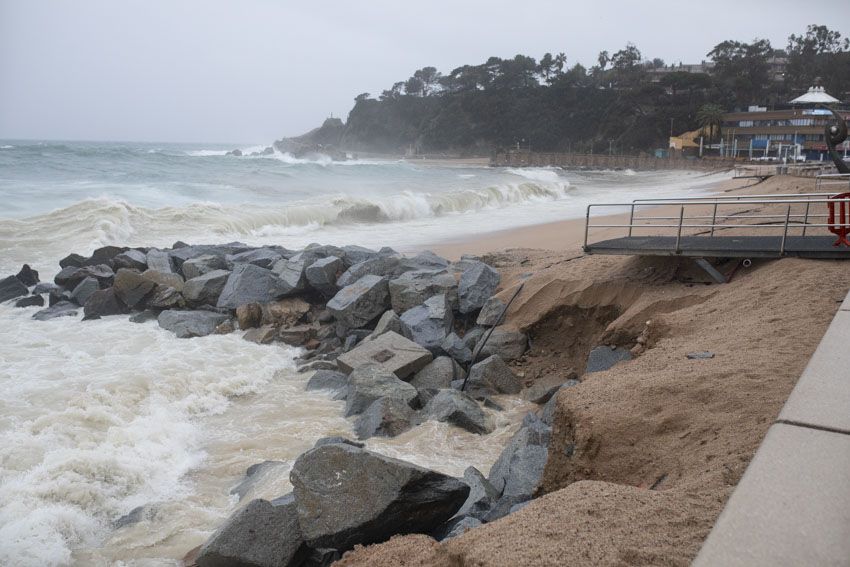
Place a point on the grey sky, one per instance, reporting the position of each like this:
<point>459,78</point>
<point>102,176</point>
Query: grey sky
<point>255,70</point>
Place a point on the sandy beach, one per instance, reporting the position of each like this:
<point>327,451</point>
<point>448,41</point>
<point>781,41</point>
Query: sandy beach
<point>643,456</point>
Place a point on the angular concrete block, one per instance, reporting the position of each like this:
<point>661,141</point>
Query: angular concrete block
<point>821,397</point>
<point>792,506</point>
<point>391,352</point>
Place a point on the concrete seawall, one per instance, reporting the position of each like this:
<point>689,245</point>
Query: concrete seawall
<point>521,158</point>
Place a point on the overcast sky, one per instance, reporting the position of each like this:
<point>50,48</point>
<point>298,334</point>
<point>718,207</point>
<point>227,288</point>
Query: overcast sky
<point>256,70</point>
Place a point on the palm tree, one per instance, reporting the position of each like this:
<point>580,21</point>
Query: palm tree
<point>710,116</point>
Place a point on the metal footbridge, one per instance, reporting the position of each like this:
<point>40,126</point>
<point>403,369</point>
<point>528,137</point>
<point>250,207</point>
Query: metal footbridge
<point>806,225</point>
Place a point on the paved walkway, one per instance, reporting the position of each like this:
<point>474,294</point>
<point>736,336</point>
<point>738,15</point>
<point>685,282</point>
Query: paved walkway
<point>792,506</point>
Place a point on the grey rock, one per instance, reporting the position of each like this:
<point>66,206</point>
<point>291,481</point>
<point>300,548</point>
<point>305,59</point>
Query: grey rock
<point>519,469</point>
<point>205,289</point>
<point>376,266</point>
<point>426,260</point>
<point>44,287</point>
<point>261,534</point>
<point>11,288</point>
<point>389,321</point>
<point>337,440</point>
<point>187,324</point>
<point>162,278</point>
<point>70,277</point>
<point>255,475</point>
<point>385,417</point>
<point>438,374</point>
<point>477,284</point>
<point>262,257</point>
<point>482,495</point>
<point>328,380</point>
<point>492,375</point>
<point>544,388</point>
<point>414,288</point>
<point>182,254</point>
<point>604,357</point>
<point>165,297</point>
<point>194,267</point>
<point>61,309</point>
<point>72,261</point>
<point>132,259</point>
<point>361,302</point>
<point>491,312</point>
<point>134,516</point>
<point>390,352</point>
<point>161,261</point>
<point>458,409</point>
<point>321,275</point>
<point>456,527</point>
<point>702,355</point>
<point>428,324</point>
<point>369,383</point>
<point>250,284</point>
<point>104,255</point>
<point>84,290</point>
<point>356,254</point>
<point>455,347</point>
<point>472,336</point>
<point>30,301</point>
<point>144,316</point>
<point>63,278</point>
<point>292,274</point>
<point>347,496</point>
<point>132,288</point>
<point>318,365</point>
<point>510,345</point>
<point>103,303</point>
<point>27,275</point>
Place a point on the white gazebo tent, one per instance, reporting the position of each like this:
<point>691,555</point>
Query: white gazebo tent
<point>815,95</point>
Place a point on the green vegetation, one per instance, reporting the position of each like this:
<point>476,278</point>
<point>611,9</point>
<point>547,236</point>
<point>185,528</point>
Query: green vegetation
<point>624,102</point>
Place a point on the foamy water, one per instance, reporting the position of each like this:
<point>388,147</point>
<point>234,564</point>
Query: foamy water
<point>98,418</point>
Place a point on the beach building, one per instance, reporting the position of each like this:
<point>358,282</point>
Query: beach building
<point>795,132</point>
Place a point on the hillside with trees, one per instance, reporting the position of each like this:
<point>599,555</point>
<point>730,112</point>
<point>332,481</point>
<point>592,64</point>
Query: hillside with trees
<point>625,102</point>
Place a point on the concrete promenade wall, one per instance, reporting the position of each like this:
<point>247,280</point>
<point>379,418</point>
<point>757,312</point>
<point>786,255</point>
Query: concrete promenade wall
<point>514,158</point>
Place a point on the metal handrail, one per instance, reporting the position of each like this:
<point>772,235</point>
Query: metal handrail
<point>732,197</point>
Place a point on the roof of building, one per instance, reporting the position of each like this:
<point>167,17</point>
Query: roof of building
<point>815,95</point>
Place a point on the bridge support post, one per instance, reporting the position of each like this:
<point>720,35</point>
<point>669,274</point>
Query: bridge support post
<point>710,270</point>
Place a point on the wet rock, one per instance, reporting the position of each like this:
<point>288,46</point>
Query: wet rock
<point>84,290</point>
<point>249,315</point>
<point>262,257</point>
<point>477,284</point>
<point>11,288</point>
<point>332,380</point>
<point>385,417</point>
<point>225,328</point>
<point>131,259</point>
<point>321,275</point>
<point>261,534</point>
<point>132,288</point>
<point>389,321</point>
<point>255,475</point>
<point>438,374</point>
<point>544,388</point>
<point>27,276</point>
<point>298,335</point>
<point>491,312</point>
<point>390,352</point>
<point>457,527</point>
<point>134,516</point>
<point>104,255</point>
<point>165,297</point>
<point>426,260</point>
<point>519,469</point>
<point>70,277</point>
<point>492,375</point>
<point>72,261</point>
<point>183,254</point>
<point>194,267</point>
<point>61,309</point>
<point>355,254</point>
<point>286,312</point>
<point>160,261</point>
<point>144,316</point>
<point>187,324</point>
<point>472,336</point>
<point>482,495</point>
<point>509,345</point>
<point>58,295</point>
<point>428,324</point>
<point>249,284</point>
<point>414,288</point>
<point>337,440</point>
<point>30,301</point>
<point>103,303</point>
<point>292,274</point>
<point>205,289</point>
<point>347,496</point>
<point>604,357</point>
<point>261,335</point>
<point>163,278</point>
<point>361,302</point>
<point>454,346</point>
<point>377,266</point>
<point>458,409</point>
<point>369,383</point>
<point>318,365</point>
<point>44,287</point>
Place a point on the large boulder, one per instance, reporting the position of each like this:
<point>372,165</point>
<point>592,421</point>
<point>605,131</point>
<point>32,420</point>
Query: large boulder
<point>348,496</point>
<point>369,383</point>
<point>11,288</point>
<point>72,261</point>
<point>69,278</point>
<point>377,266</point>
<point>194,267</point>
<point>428,324</point>
<point>84,290</point>
<point>337,382</point>
<point>104,255</point>
<point>517,472</point>
<point>188,324</point>
<point>456,408</point>
<point>548,412</point>
<point>491,312</point>
<point>132,288</point>
<point>508,344</point>
<point>262,257</point>
<point>292,274</point>
<point>455,347</point>
<point>286,312</point>
<point>165,278</point>
<point>161,261</point>
<point>132,259</point>
<point>390,352</point>
<point>477,284</point>
<point>414,288</point>
<point>261,534</point>
<point>248,283</point>
<point>165,297</point>
<point>27,275</point>
<point>256,475</point>
<point>60,309</point>
<point>389,321</point>
<point>439,374</point>
<point>426,260</point>
<point>103,303</point>
<point>385,417</point>
<point>205,289</point>
<point>361,302</point>
<point>482,495</point>
<point>492,375</point>
<point>30,301</point>
<point>353,254</point>
<point>321,275</point>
